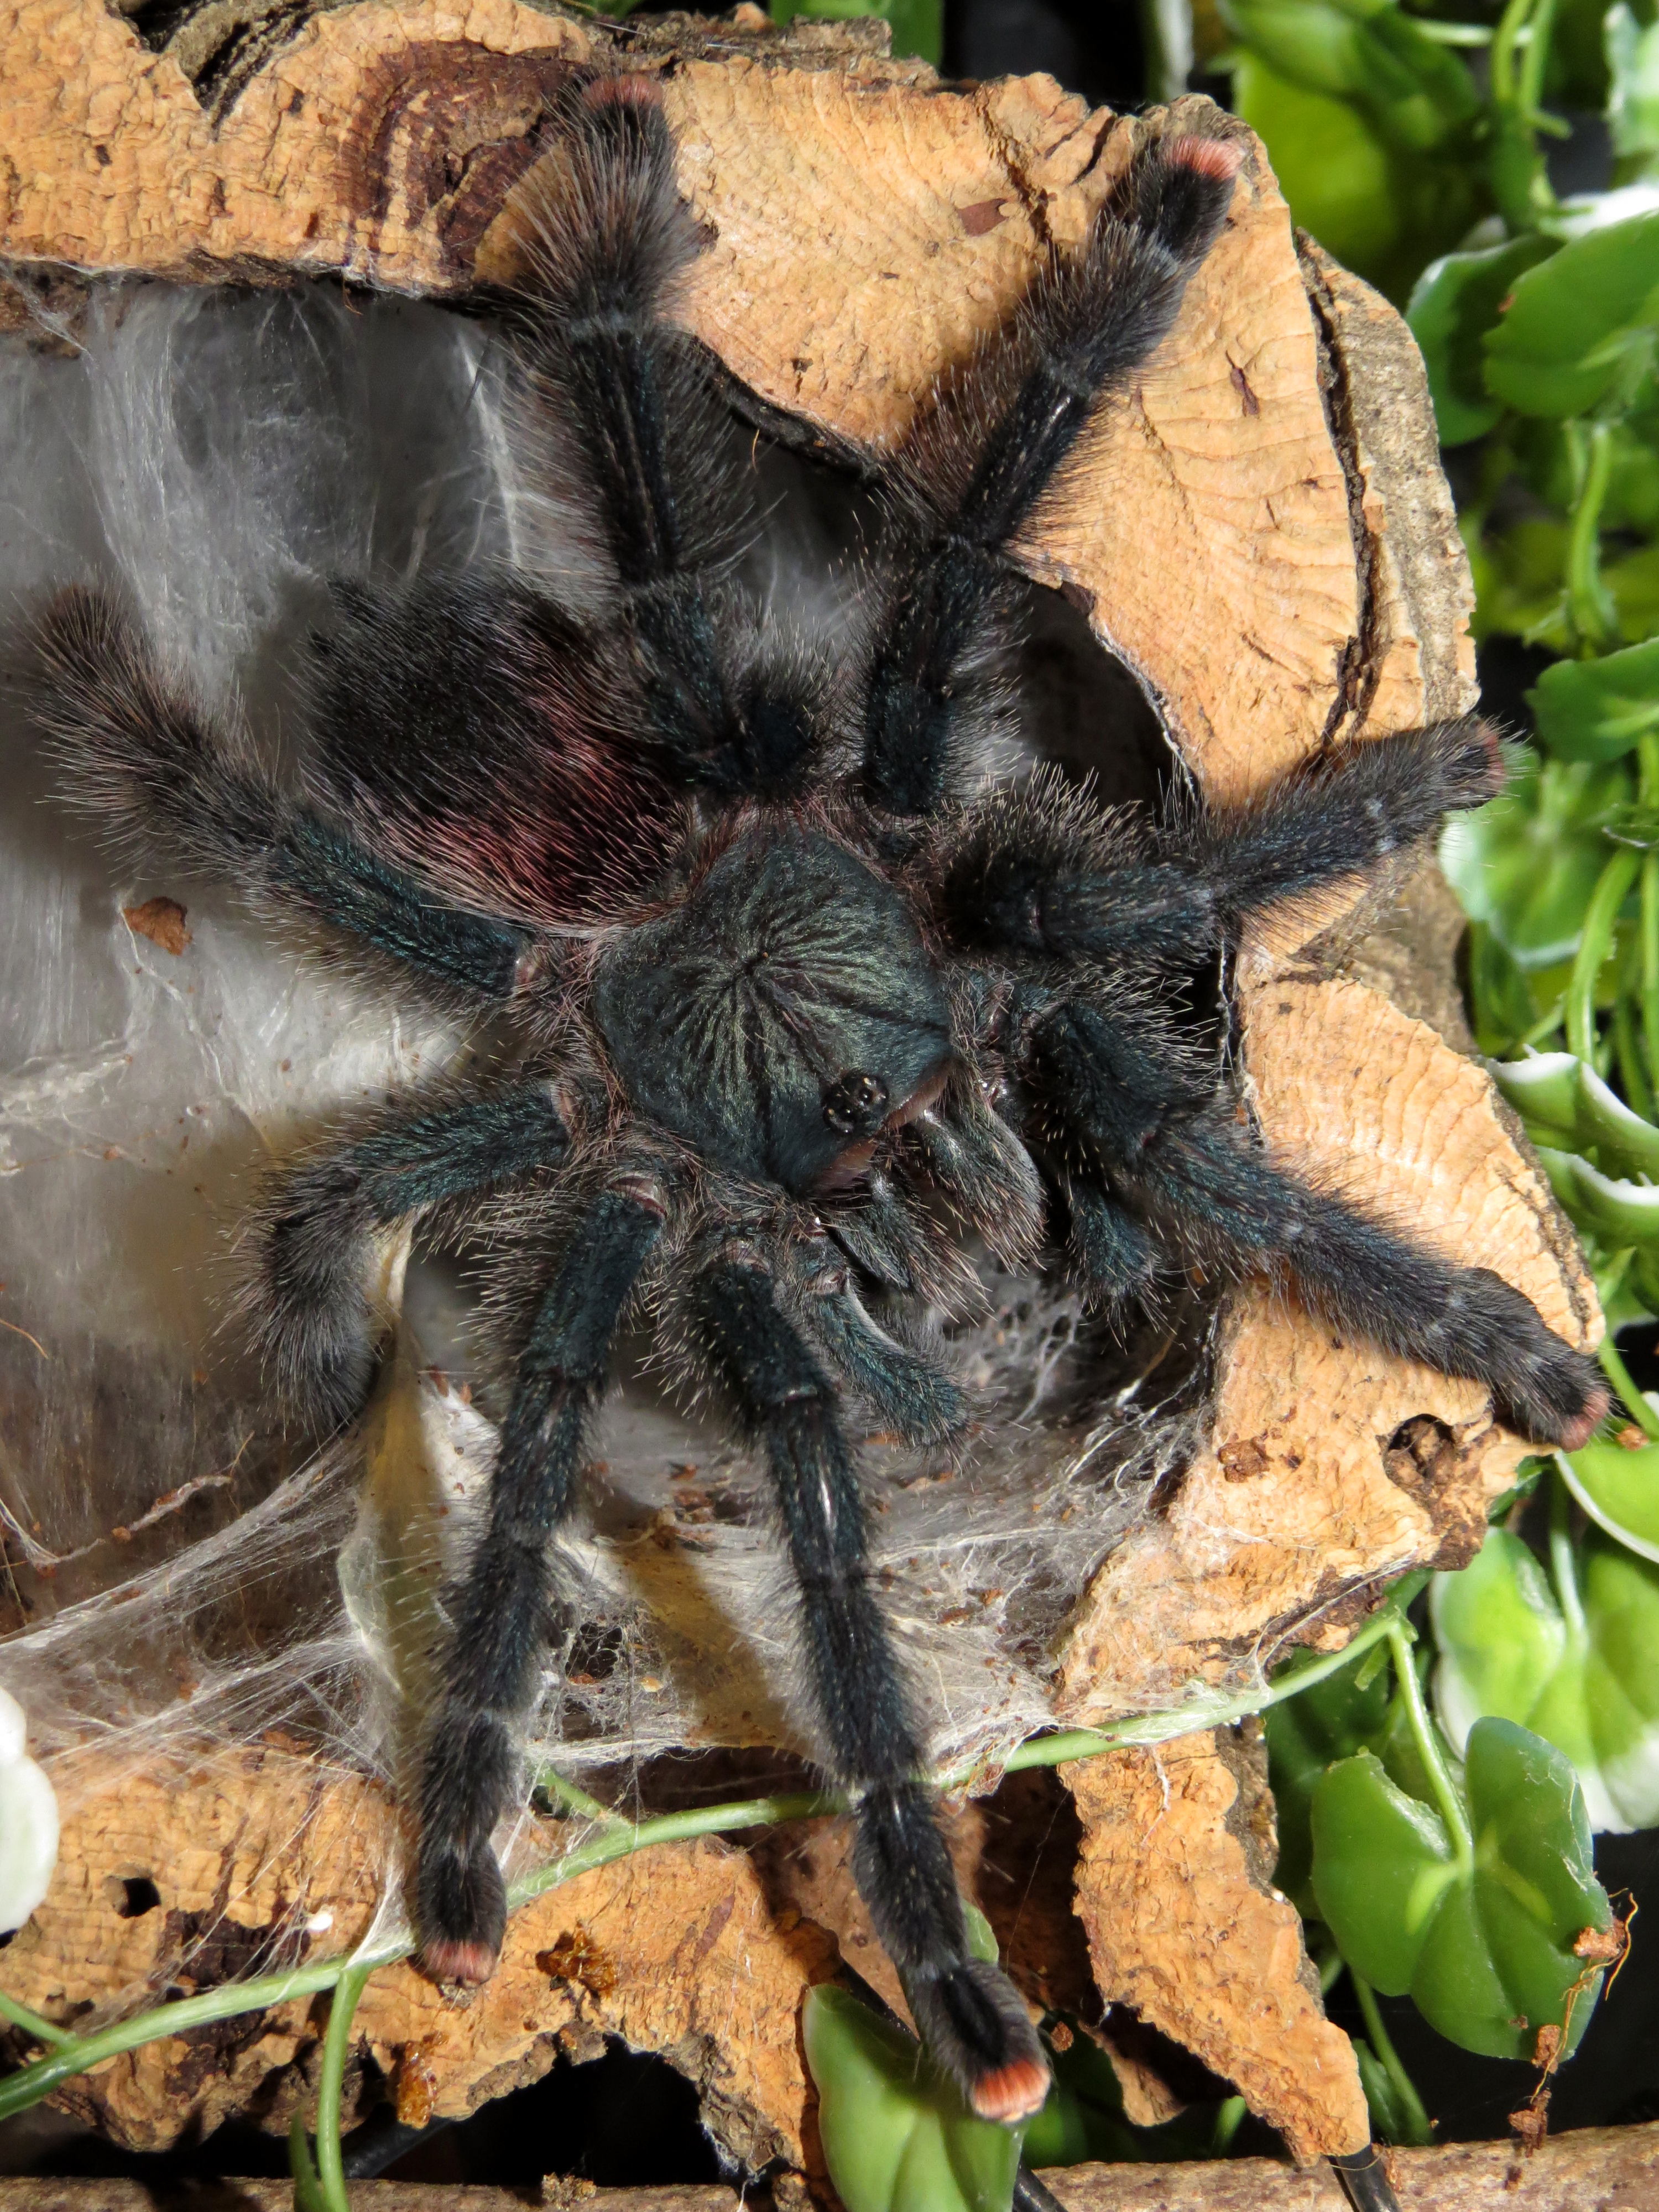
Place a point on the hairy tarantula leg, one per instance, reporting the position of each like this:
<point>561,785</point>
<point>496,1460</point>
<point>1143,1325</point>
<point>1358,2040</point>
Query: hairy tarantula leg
<point>979,1166</point>
<point>894,1242</point>
<point>970,2016</point>
<point>911,1391</point>
<point>1210,1192</point>
<point>141,753</point>
<point>605,256</point>
<point>613,239</point>
<point>1113,1253</point>
<point>310,1314</point>
<point>1464,1321</point>
<point>468,1775</point>
<point>1039,875</point>
<point>1090,321</point>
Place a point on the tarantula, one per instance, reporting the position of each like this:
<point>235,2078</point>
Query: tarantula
<point>805,1003</point>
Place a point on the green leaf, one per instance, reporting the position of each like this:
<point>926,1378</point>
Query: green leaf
<point>1619,1490</point>
<point>1535,1883</point>
<point>1616,1212</point>
<point>1355,1709</point>
<point>1382,1866</point>
<point>1484,1945</point>
<point>1588,1684</point>
<point>1520,571</point>
<point>1632,582</point>
<point>1391,2120</point>
<point>1084,2116</point>
<point>1580,326</point>
<point>1527,863</point>
<point>1500,1635</point>
<point>1577,71</point>
<point>1597,710</point>
<point>1505,1005</point>
<point>1567,1106</point>
<point>1414,91</point>
<point>1453,305</point>
<point>308,2194</point>
<point>1633,49</point>
<point>1305,1735</point>
<point>897,2135</point>
<point>1378,210</point>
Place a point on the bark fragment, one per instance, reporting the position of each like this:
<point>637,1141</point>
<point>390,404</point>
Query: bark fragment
<point>1172,1887</point>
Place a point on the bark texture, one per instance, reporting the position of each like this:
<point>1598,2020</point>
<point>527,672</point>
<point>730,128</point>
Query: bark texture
<point>1595,2170</point>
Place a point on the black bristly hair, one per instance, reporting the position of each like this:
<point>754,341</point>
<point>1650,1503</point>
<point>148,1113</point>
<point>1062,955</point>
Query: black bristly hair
<point>730,701</point>
<point>1088,323</point>
<point>832,1011</point>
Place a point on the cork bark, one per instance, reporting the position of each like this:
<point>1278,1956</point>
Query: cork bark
<point>1611,2169</point>
<point>1173,1886</point>
<point>1259,529</point>
<point>174,1880</point>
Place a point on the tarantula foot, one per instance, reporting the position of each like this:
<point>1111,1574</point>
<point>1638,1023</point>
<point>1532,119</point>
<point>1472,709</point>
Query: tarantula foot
<point>1211,157</point>
<point>1011,2093</point>
<point>463,1916</point>
<point>1551,1394</point>
<point>1579,1431</point>
<point>1468,762</point>
<point>975,2025</point>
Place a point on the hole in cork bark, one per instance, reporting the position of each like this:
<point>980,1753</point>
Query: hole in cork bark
<point>131,1895</point>
<point>1421,1456</point>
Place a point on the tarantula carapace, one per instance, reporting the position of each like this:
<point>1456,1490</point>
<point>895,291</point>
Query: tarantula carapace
<point>807,1004</point>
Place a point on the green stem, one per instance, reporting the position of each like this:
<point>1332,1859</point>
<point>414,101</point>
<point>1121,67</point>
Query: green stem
<point>1501,64</point>
<point>1404,2088</point>
<point>1067,1744</point>
<point>307,2190</point>
<point>1633,1069</point>
<point>1651,961</point>
<point>1611,1281</point>
<point>1600,917</point>
<point>616,1838</point>
<point>76,2054</point>
<point>1530,91</point>
<point>1625,1383</point>
<point>42,2031</point>
<point>1590,608</point>
<point>1428,1747</point>
<point>621,1838</point>
<point>1564,1572</point>
<point>23,2089</point>
<point>568,1797</point>
<point>1647,756</point>
<point>329,2083</point>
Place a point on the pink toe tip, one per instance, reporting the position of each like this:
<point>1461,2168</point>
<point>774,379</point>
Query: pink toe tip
<point>1011,2092</point>
<point>1490,736</point>
<point>631,90</point>
<point>449,1959</point>
<point>1211,157</point>
<point>1579,1431</point>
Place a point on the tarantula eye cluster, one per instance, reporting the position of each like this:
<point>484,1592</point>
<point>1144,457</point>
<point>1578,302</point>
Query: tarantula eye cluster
<point>855,1102</point>
<point>821,999</point>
